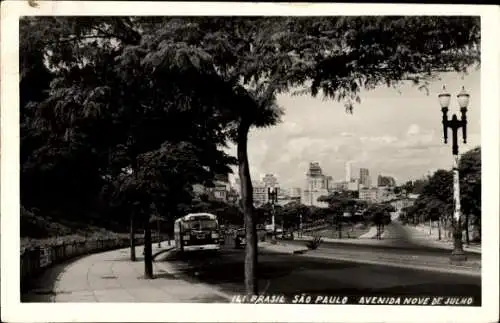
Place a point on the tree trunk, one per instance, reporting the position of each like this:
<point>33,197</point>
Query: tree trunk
<point>467,233</point>
<point>158,232</point>
<point>132,238</point>
<point>439,228</point>
<point>148,252</point>
<point>247,203</point>
<point>479,229</point>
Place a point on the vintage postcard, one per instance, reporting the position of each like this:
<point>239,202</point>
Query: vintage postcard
<point>249,162</point>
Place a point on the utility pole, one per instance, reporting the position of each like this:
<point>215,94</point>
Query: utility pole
<point>158,230</point>
<point>272,194</point>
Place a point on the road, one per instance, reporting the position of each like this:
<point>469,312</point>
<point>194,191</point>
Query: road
<point>395,248</point>
<point>288,275</point>
<point>395,241</point>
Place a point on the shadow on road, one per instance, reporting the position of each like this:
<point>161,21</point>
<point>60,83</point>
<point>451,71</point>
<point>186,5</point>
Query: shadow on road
<point>291,274</point>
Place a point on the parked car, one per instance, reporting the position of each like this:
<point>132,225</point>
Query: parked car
<point>261,232</point>
<point>239,238</point>
<point>287,235</point>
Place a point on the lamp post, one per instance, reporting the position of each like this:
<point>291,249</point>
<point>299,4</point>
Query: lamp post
<point>457,255</point>
<point>300,224</point>
<point>272,195</point>
<point>158,230</point>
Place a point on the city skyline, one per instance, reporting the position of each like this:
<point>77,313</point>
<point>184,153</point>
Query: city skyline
<point>372,178</point>
<point>363,172</point>
<point>392,133</point>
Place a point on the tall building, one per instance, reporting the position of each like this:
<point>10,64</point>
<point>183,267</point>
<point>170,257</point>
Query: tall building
<point>233,196</point>
<point>218,191</point>
<point>329,184</point>
<point>296,194</point>
<point>385,193</point>
<point>259,194</point>
<point>364,177</point>
<point>368,194</point>
<point>295,191</point>
<point>221,187</point>
<point>260,189</point>
<point>353,185</point>
<point>348,166</point>
<point>237,185</point>
<point>339,186</point>
<point>401,203</point>
<point>315,186</point>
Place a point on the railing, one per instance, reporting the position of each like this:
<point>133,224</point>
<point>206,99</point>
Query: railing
<point>35,260</point>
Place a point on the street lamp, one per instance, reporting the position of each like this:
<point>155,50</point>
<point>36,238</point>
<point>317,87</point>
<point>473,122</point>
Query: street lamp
<point>300,224</point>
<point>272,196</point>
<point>158,230</point>
<point>457,255</point>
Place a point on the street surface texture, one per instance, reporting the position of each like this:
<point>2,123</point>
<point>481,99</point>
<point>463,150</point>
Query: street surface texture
<point>288,274</point>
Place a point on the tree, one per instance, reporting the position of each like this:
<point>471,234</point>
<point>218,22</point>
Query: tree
<point>293,213</point>
<point>469,169</point>
<point>379,216</point>
<point>436,200</point>
<point>435,203</point>
<point>121,102</point>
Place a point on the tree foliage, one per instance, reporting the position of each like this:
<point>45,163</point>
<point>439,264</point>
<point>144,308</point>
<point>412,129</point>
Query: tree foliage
<point>436,201</point>
<point>469,169</point>
<point>116,98</point>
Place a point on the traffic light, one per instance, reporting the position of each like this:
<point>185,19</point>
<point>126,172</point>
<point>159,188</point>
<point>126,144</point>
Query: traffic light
<point>272,195</point>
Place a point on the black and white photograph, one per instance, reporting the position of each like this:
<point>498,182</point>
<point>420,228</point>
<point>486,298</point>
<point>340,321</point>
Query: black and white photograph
<point>307,158</point>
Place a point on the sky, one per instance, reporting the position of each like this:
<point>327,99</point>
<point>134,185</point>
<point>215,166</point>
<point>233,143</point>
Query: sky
<point>393,133</point>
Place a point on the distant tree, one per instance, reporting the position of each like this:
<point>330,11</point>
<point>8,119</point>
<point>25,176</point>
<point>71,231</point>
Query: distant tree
<point>386,181</point>
<point>291,214</point>
<point>379,215</point>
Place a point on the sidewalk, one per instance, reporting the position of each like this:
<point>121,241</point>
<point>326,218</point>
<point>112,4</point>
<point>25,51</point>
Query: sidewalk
<point>371,234</point>
<point>282,247</point>
<point>112,277</point>
<point>421,235</point>
<point>366,239</point>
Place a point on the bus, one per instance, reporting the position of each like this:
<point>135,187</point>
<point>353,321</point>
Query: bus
<point>197,231</point>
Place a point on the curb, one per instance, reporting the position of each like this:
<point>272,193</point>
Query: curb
<point>161,252</point>
<point>434,243</point>
<point>403,265</point>
<point>292,251</point>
